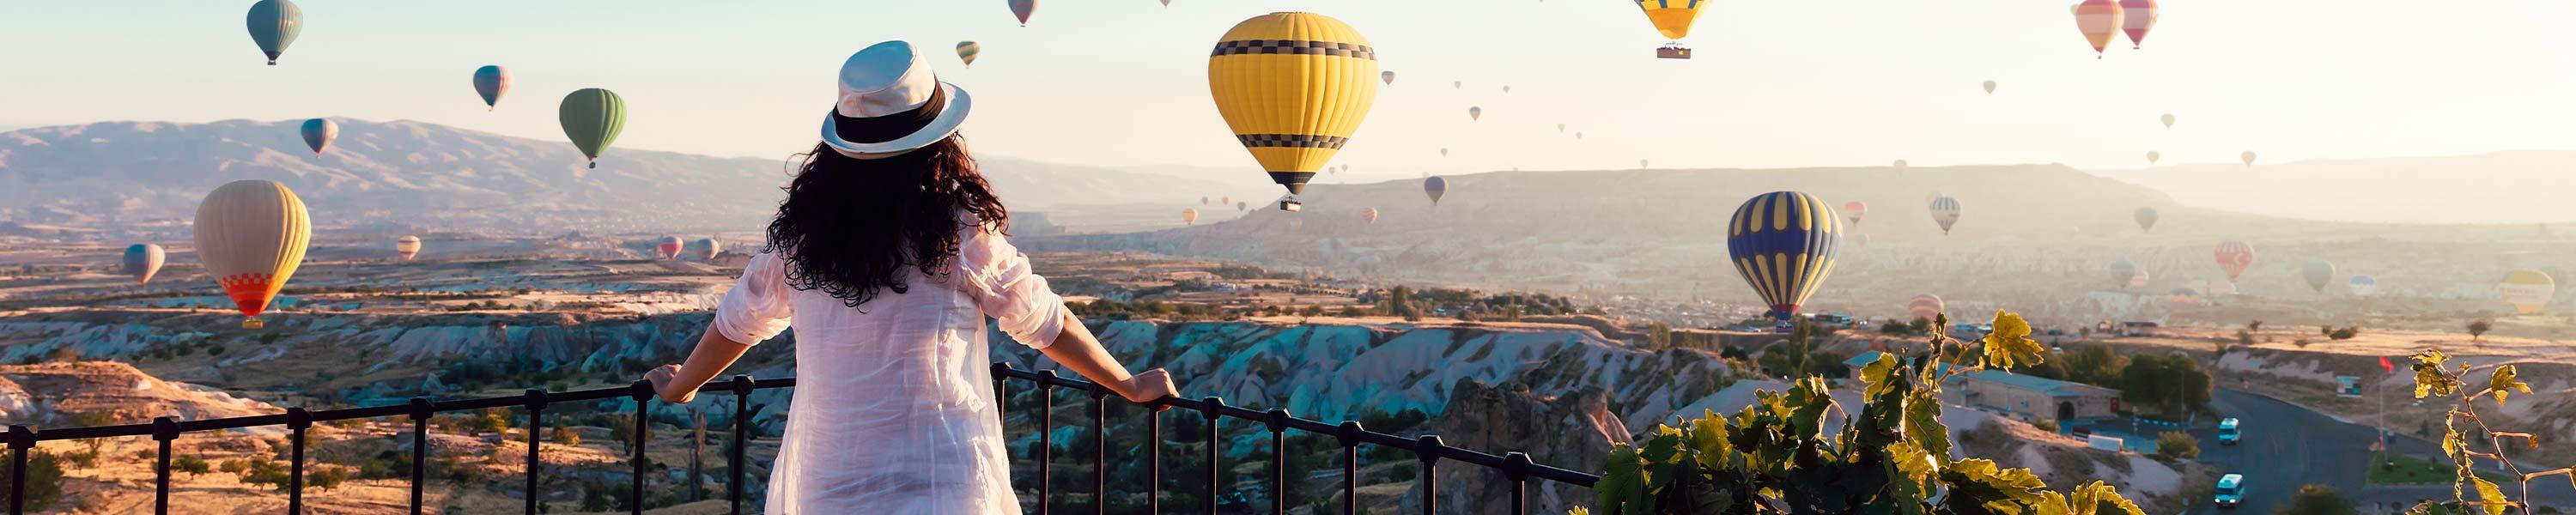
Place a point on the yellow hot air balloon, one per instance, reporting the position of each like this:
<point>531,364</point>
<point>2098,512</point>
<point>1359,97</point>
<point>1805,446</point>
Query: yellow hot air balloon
<point>2527,290</point>
<point>1190,216</point>
<point>1672,18</point>
<point>252,234</point>
<point>407,246</point>
<point>1293,86</point>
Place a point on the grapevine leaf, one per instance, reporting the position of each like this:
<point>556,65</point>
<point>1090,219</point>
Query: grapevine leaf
<point>1805,407</point>
<point>1923,423</point>
<point>1980,486</point>
<point>1622,488</point>
<point>2490,497</point>
<point>2429,378</point>
<point>1708,441</point>
<point>2010,344</point>
<point>2503,381</point>
<point>2099,498</point>
<point>1579,510</point>
<point>1881,375</point>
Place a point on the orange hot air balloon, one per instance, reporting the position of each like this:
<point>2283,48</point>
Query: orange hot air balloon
<point>1368,216</point>
<point>2099,20</point>
<point>1189,216</point>
<point>251,235</point>
<point>407,246</point>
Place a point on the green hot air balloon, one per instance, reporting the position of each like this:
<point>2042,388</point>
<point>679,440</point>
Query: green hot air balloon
<point>274,24</point>
<point>592,117</point>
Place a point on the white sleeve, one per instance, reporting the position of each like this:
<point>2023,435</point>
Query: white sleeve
<point>758,307</point>
<point>998,278</point>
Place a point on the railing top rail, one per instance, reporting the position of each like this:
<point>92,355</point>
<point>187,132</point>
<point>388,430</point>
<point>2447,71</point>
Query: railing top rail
<point>417,406</point>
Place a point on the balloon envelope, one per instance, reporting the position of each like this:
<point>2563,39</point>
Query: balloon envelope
<point>1368,216</point>
<point>2319,273</point>
<point>1784,244</point>
<point>1475,113</point>
<point>491,82</point>
<point>1435,187</point>
<point>2363,285</point>
<point>251,235</point>
<point>1387,77</point>
<point>1926,306</point>
<point>2136,18</point>
<point>1945,211</point>
<point>1672,18</point>
<point>1853,210</point>
<point>407,247</point>
<point>2098,20</point>
<point>1293,110</point>
<point>592,118</point>
<point>1189,216</point>
<point>668,248</point>
<point>2168,119</point>
<point>2233,256</point>
<point>273,25</point>
<point>142,260</point>
<point>2121,271</point>
<point>2146,218</point>
<point>318,134</point>
<point>2153,156</point>
<point>1990,87</point>
<point>2527,290</point>
<point>708,249</point>
<point>2247,157</point>
<point>967,50</point>
<point>1023,8</point>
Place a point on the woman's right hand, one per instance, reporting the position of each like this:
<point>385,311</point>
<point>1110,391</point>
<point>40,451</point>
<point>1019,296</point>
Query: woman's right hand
<point>1149,386</point>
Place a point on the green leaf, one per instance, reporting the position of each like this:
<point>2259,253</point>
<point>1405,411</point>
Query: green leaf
<point>2502,381</point>
<point>1805,407</point>
<point>1708,441</point>
<point>1923,423</point>
<point>1622,489</point>
<point>1980,486</point>
<point>2010,344</point>
<point>2429,378</point>
<point>2492,497</point>
<point>2099,498</point>
<point>1881,375</point>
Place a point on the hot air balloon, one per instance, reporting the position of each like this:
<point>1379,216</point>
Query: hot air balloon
<point>1926,306</point>
<point>1560,127</point>
<point>2319,273</point>
<point>1224,201</point>
<point>1945,211</point>
<point>1293,110</point>
<point>1900,165</point>
<point>1578,135</point>
<point>273,25</point>
<point>2221,288</point>
<point>1458,84</point>
<point>2121,271</point>
<point>2168,119</point>
<point>1022,9</point>
<point>1435,187</point>
<point>1239,206</point>
<point>1190,216</point>
<point>2527,290</point>
<point>2146,218</point>
<point>2139,279</point>
<point>318,134</point>
<point>2137,17</point>
<point>1853,210</point>
<point>592,117</point>
<point>1641,163</point>
<point>709,248</point>
<point>1368,216</point>
<point>1507,90</point>
<point>2152,156</point>
<point>1387,77</point>
<point>142,260</point>
<point>1990,87</point>
<point>2363,286</point>
<point>1475,113</point>
<point>668,249</point>
<point>251,235</point>
<point>407,247</point>
<point>2182,298</point>
<point>2233,256</point>
<point>1203,201</point>
<point>967,50</point>
<point>1784,243</point>
<point>2099,20</point>
<point>2247,157</point>
<point>1444,152</point>
<point>491,81</point>
<point>1673,19</point>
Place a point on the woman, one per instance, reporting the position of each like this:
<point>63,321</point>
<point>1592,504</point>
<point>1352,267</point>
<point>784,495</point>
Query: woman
<point>887,256</point>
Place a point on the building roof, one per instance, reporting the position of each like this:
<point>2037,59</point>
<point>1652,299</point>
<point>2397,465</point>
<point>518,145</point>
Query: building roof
<point>1865,358</point>
<point>2052,387</point>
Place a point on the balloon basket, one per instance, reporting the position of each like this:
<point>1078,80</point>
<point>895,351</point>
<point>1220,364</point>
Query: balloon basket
<point>1673,52</point>
<point>1291,205</point>
<point>253,323</point>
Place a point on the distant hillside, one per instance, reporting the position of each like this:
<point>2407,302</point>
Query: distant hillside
<point>2502,187</point>
<point>123,174</point>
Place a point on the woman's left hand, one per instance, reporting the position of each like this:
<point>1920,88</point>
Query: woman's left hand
<point>662,378</point>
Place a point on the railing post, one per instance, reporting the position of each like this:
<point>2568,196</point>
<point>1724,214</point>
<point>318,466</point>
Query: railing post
<point>1002,393</point>
<point>20,439</point>
<point>1516,468</point>
<point>297,420</point>
<point>741,435</point>
<point>1153,460</point>
<point>1046,440</point>
<point>1350,437</point>
<point>643,427</point>
<point>420,414</point>
<point>1100,451</point>
<point>1212,408</point>
<point>1278,421</point>
<point>164,429</point>
<point>1428,450</point>
<point>536,402</point>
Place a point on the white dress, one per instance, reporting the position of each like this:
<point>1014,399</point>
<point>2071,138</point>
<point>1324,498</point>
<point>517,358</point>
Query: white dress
<point>893,410</point>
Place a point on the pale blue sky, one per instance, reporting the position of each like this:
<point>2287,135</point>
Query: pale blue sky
<point>1123,82</point>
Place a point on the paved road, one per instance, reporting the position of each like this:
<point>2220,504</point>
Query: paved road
<point>2286,446</point>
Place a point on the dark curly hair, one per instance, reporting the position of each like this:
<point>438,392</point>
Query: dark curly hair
<point>850,226</point>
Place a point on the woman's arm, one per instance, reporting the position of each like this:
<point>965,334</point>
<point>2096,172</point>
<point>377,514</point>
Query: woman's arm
<point>679,383</point>
<point>1079,351</point>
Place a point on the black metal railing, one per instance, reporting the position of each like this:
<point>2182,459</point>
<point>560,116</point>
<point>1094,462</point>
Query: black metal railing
<point>1428,449</point>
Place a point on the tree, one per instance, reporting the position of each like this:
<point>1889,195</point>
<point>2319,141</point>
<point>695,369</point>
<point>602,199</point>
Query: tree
<point>2256,326</point>
<point>326,478</point>
<point>191,464</point>
<point>2176,446</point>
<point>93,419</point>
<point>44,480</point>
<point>2316,499</point>
<point>2478,330</point>
<point>1892,455</point>
<point>2344,334</point>
<point>564,434</point>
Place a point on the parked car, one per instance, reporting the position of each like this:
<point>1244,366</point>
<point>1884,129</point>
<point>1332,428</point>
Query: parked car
<point>2231,490</point>
<point>2227,432</point>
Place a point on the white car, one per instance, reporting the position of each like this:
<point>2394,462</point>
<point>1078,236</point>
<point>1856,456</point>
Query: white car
<point>2227,432</point>
<point>2231,490</point>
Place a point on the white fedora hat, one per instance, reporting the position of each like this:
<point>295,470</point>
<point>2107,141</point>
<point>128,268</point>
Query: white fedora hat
<point>891,103</point>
